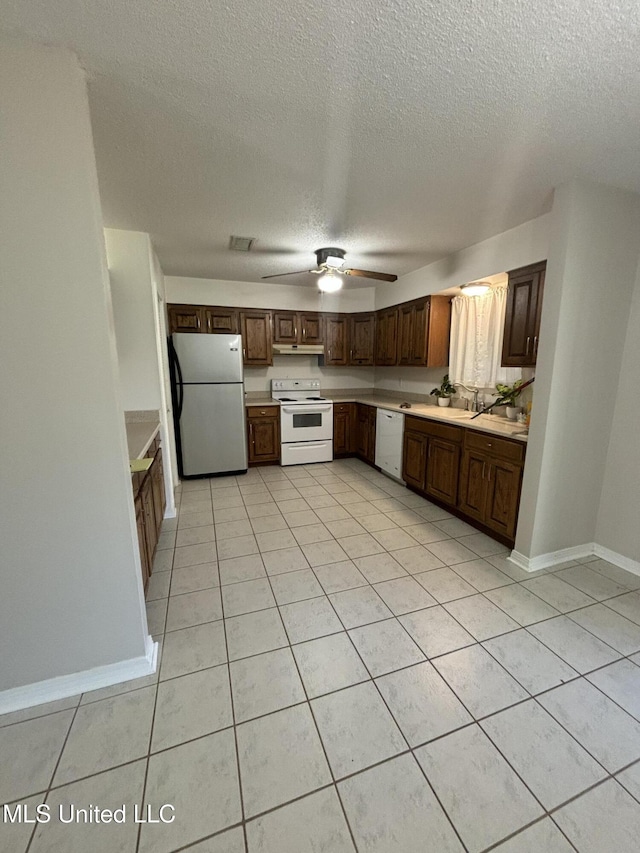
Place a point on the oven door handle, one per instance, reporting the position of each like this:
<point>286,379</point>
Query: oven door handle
<point>305,410</point>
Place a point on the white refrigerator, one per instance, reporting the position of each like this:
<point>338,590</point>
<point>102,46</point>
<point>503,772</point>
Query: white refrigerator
<point>209,407</point>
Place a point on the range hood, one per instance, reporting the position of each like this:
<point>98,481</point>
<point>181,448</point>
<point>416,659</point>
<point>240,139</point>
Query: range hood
<point>298,349</point>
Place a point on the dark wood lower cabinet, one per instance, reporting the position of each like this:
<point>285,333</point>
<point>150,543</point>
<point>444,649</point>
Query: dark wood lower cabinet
<point>431,458</point>
<point>344,429</point>
<point>443,466</point>
<point>414,458</point>
<point>263,431</point>
<point>150,504</point>
<point>476,475</point>
<point>490,491</point>
<point>366,432</point>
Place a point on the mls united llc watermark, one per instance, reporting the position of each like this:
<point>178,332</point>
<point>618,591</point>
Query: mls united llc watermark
<point>70,813</point>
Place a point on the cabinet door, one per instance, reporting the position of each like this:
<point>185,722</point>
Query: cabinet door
<point>473,485</point>
<point>387,336</point>
<point>406,323</point>
<point>185,318</point>
<point>336,343</point>
<point>285,327</point>
<point>362,431</point>
<point>414,459</point>
<point>151,538</point>
<point>438,320</point>
<point>264,440</point>
<point>522,320</point>
<point>443,468</point>
<point>221,321</point>
<point>159,499</point>
<point>420,333</point>
<point>310,328</point>
<point>256,337</point>
<point>341,433</point>
<point>503,496</point>
<point>363,330</point>
<point>373,413</point>
<point>142,543</point>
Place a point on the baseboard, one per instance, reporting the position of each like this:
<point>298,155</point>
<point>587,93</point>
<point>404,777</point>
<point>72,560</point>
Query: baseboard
<point>578,552</point>
<point>620,560</point>
<point>553,558</point>
<point>64,686</point>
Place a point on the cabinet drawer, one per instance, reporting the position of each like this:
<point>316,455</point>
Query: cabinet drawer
<point>263,411</point>
<point>444,431</point>
<point>511,450</point>
<point>343,408</point>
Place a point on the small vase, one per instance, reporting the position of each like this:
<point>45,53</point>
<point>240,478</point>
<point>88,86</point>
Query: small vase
<point>444,401</point>
<point>513,412</point>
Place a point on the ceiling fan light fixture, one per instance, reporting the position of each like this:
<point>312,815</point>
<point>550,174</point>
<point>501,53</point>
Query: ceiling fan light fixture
<point>329,282</point>
<point>475,288</point>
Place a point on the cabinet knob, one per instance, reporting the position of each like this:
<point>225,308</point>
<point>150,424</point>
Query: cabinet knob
<point>263,413</point>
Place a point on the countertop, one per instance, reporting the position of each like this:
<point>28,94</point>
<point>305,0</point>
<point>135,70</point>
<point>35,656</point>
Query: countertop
<point>139,436</point>
<point>493,424</point>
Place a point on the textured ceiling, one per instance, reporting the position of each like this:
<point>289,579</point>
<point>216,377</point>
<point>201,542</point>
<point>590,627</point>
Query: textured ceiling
<point>400,130</point>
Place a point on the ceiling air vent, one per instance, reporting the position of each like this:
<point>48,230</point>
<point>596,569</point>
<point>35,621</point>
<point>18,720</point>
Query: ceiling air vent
<point>241,244</point>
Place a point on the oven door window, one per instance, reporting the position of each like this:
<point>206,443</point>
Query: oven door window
<point>307,419</point>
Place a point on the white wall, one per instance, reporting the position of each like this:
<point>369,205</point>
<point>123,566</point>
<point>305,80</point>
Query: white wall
<point>306,367</point>
<point>618,526</point>
<point>133,296</point>
<point>415,380</point>
<point>591,272</point>
<point>515,248</point>
<point>166,409</point>
<point>71,586</point>
<point>251,294</point>
<point>137,292</point>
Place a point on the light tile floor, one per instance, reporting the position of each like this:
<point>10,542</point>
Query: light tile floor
<point>345,666</point>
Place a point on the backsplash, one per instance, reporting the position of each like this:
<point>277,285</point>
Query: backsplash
<point>306,367</point>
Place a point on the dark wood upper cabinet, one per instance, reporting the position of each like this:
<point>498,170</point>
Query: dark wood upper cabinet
<point>221,321</point>
<point>310,328</point>
<point>424,329</point>
<point>292,327</point>
<point>185,318</point>
<point>285,328</point>
<point>256,337</point>
<point>362,331</point>
<point>522,320</point>
<point>336,340</point>
<point>387,336</point>
<point>406,323</point>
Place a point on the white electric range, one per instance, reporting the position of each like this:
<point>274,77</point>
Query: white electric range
<point>306,421</point>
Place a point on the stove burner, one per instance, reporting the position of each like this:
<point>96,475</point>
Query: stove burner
<point>315,398</point>
<point>287,400</point>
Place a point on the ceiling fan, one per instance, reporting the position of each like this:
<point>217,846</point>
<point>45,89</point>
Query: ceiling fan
<point>330,261</point>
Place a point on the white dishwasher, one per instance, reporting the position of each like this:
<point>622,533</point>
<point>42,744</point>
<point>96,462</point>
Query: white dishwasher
<point>389,435</point>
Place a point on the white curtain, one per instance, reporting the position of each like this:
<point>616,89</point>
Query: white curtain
<point>477,326</point>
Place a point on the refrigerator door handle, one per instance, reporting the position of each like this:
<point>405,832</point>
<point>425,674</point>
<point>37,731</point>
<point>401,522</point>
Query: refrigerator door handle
<point>179,386</point>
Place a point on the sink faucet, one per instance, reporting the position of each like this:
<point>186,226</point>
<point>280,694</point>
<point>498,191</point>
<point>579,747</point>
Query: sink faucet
<point>474,391</point>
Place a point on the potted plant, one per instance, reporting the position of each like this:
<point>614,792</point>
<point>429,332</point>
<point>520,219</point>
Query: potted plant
<point>445,392</point>
<point>507,396</point>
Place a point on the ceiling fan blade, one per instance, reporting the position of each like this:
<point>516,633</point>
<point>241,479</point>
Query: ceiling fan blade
<point>381,276</point>
<point>280,274</point>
